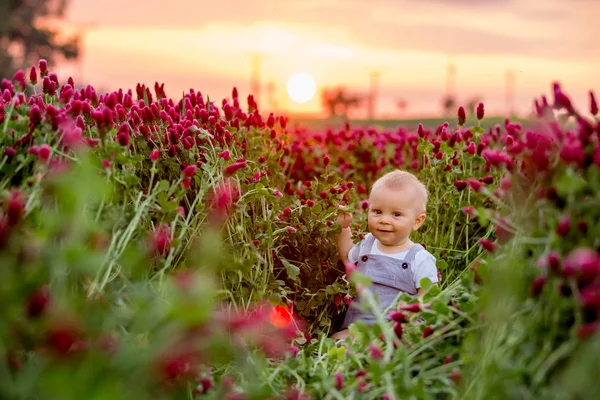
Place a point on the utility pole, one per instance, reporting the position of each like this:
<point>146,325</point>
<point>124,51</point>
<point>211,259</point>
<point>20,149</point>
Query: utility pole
<point>82,29</point>
<point>450,79</point>
<point>271,96</point>
<point>255,77</point>
<point>373,94</point>
<point>510,92</point>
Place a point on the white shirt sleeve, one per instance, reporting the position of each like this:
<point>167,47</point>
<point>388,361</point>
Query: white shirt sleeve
<point>355,251</point>
<point>424,268</point>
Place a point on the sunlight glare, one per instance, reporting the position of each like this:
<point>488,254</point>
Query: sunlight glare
<point>301,87</point>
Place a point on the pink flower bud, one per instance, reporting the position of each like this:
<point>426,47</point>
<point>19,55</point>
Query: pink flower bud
<point>271,121</point>
<point>225,155</point>
<point>19,78</point>
<point>326,160</point>
<point>462,116</point>
<point>415,307</point>
<point>398,330</point>
<point>44,152</point>
<point>14,205</point>
<point>474,184</point>
<point>365,204</point>
<point>428,331</point>
<point>189,171</point>
<point>460,185</point>
<point>563,227</point>
<point>160,241</point>
<point>154,155</point>
<point>291,230</point>
<point>375,351</point>
<point>480,111</point>
<point>398,316</point>
<point>339,381</point>
<point>282,122</point>
<point>537,285</point>
<point>593,104</point>
<point>43,64</point>
<point>350,268</point>
<point>233,168</point>
<point>587,330</point>
<point>487,245</point>
<point>37,302</point>
<point>33,75</point>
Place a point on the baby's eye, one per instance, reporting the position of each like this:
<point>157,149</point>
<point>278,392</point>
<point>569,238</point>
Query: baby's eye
<point>397,214</point>
<point>377,211</point>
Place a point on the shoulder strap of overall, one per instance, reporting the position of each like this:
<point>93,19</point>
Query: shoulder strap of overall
<point>366,245</point>
<point>410,257</point>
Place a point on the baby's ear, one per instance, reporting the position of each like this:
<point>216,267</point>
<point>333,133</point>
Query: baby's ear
<point>419,221</point>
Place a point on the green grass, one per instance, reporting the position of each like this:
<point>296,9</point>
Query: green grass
<point>316,124</point>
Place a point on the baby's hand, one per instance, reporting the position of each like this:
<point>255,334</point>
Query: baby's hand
<point>344,219</point>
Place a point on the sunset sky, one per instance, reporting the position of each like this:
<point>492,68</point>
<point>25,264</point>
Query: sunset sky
<point>209,45</point>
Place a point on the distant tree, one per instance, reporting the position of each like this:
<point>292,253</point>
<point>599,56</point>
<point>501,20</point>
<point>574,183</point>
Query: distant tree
<point>25,34</point>
<point>449,104</point>
<point>472,104</point>
<point>338,102</point>
<point>402,105</point>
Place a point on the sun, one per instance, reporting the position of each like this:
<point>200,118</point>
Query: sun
<point>301,88</point>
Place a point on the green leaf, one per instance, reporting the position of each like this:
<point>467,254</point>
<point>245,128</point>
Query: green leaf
<point>291,269</point>
<point>441,264</point>
<point>570,183</point>
<point>317,208</point>
<point>164,185</point>
<point>425,283</point>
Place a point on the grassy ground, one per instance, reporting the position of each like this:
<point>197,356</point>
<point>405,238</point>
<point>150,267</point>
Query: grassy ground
<point>410,124</point>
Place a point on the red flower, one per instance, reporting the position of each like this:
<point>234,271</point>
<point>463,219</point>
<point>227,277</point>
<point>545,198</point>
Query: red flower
<point>19,77</point>
<point>33,75</point>
<point>593,104</point>
<point>189,171</point>
<point>538,285</point>
<point>460,185</point>
<point>225,155</point>
<point>326,160</point>
<point>587,330</point>
<point>160,240</point>
<point>37,302</point>
<point>14,204</point>
<point>225,195</point>
<point>398,330</point>
<point>339,381</point>
<point>474,184</point>
<point>416,307</point>
<point>43,64</point>
<point>154,155</point>
<point>365,204</point>
<point>291,230</point>
<point>487,245</point>
<point>428,331</point>
<point>270,121</point>
<point>563,227</point>
<point>233,168</point>
<point>398,316</point>
<point>375,351</point>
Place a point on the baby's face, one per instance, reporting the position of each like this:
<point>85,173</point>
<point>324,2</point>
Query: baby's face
<point>394,214</point>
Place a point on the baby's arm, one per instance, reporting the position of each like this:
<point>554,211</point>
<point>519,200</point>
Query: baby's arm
<point>344,239</point>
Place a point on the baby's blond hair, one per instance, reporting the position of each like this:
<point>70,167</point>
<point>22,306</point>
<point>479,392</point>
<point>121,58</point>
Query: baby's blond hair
<point>397,179</point>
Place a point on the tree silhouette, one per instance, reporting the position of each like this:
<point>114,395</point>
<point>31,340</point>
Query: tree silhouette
<point>24,38</point>
<point>337,101</point>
